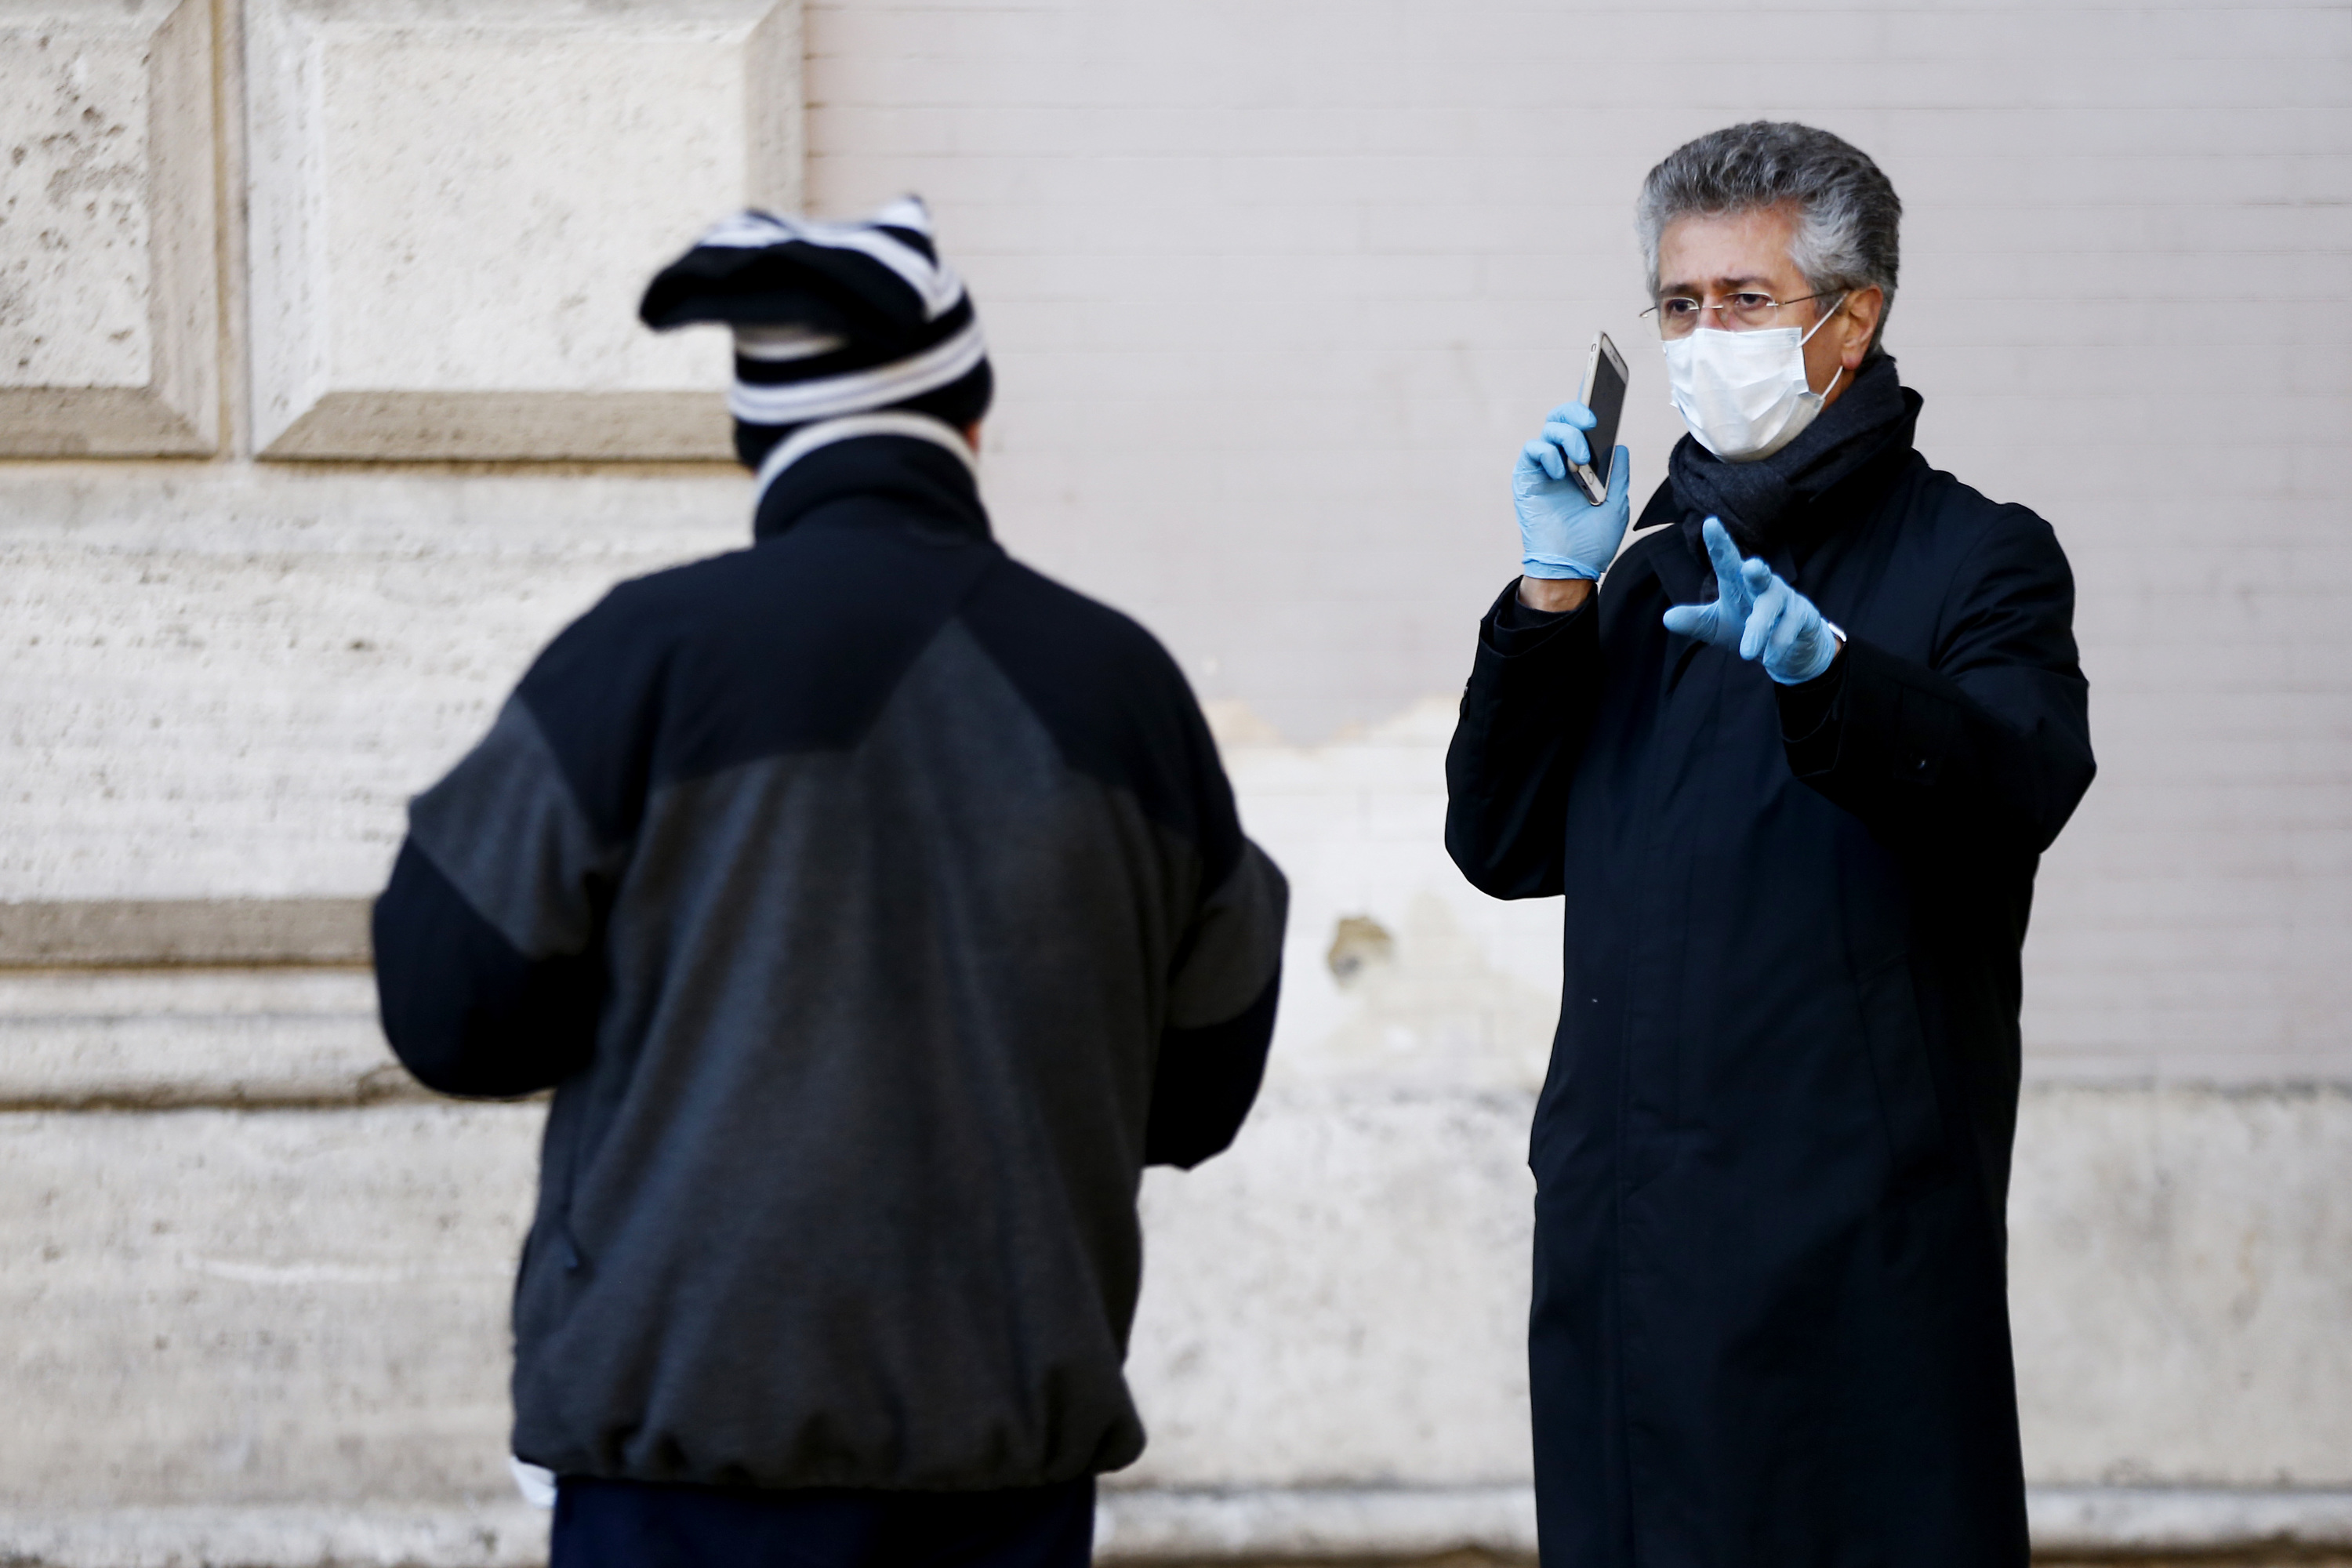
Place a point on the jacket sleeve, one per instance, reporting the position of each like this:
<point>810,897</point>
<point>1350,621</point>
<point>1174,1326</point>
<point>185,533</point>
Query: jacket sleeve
<point>488,974</point>
<point>1984,749</point>
<point>1222,987</point>
<point>466,1012</point>
<point>1524,714</point>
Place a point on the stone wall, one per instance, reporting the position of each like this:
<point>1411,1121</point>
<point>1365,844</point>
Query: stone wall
<point>322,406</point>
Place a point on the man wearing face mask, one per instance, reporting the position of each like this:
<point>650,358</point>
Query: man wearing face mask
<point>1791,767</point>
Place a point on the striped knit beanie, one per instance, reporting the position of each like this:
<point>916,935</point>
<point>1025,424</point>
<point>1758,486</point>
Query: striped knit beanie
<point>830,319</point>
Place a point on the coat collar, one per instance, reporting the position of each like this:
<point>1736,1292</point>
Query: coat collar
<point>1688,578</point>
<point>1859,493</point>
<point>906,457</point>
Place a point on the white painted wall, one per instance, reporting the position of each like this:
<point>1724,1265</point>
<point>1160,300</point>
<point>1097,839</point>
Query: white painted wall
<point>1274,291</point>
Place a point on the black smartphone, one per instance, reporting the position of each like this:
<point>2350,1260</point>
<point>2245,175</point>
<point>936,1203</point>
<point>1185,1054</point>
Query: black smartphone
<point>1604,394</point>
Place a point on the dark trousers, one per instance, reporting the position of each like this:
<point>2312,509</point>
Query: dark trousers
<point>630,1524</point>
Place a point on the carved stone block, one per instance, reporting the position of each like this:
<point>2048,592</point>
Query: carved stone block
<point>109,309</point>
<point>456,203</point>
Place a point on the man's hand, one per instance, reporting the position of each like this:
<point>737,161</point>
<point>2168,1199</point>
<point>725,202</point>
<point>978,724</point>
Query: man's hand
<point>1563,537</point>
<point>1758,616</point>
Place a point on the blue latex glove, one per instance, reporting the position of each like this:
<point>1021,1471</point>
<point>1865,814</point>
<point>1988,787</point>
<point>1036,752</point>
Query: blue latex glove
<point>1561,533</point>
<point>1758,616</point>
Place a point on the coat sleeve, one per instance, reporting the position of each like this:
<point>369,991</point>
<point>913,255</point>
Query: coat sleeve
<point>1985,749</point>
<point>489,936</point>
<point>1226,976</point>
<point>1221,998</point>
<point>1524,717</point>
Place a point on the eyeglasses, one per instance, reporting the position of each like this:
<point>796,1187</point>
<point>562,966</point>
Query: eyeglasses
<point>1747,312</point>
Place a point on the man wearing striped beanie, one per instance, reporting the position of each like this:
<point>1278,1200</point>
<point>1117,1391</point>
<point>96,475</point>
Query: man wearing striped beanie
<point>832,321</point>
<point>875,909</point>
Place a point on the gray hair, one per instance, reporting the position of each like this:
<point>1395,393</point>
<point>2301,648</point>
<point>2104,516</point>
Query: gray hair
<point>1848,212</point>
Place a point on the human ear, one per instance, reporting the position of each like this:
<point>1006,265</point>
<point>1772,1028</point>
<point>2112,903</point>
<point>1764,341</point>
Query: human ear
<point>1862,309</point>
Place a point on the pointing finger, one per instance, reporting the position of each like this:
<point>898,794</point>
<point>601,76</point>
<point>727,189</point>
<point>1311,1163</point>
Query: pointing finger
<point>1725,555</point>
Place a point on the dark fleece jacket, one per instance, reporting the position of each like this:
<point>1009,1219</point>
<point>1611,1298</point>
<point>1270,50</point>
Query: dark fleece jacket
<point>877,908</point>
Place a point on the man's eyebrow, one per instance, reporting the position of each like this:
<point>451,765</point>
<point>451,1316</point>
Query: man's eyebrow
<point>1722,286</point>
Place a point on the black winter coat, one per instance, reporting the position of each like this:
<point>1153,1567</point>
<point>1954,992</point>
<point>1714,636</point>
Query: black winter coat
<point>1772,1155</point>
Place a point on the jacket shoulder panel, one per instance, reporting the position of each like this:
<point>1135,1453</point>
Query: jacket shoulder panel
<point>1114,702</point>
<point>1972,522</point>
<point>1995,557</point>
<point>793,645</point>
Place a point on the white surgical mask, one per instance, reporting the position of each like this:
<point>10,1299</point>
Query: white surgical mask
<point>1744,394</point>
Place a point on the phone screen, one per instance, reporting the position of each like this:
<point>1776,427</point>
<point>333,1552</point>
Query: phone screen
<point>1607,401</point>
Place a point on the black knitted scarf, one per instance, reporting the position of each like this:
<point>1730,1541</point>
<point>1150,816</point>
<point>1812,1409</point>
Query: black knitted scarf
<point>1754,500</point>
